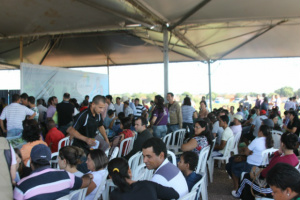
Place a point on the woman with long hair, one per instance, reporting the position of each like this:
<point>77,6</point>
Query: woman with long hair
<point>203,111</point>
<point>159,118</point>
<point>69,157</point>
<point>188,115</point>
<point>121,175</point>
<point>253,156</point>
<point>202,138</point>
<point>285,154</point>
<point>294,124</point>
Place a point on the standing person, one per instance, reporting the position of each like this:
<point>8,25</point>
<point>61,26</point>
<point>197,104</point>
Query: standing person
<point>203,110</point>
<point>159,118</point>
<point>175,115</point>
<point>140,109</point>
<point>42,111</point>
<point>65,112</point>
<point>14,114</point>
<point>265,104</point>
<point>121,175</point>
<point>277,101</point>
<point>258,102</point>
<point>24,99</point>
<point>119,108</point>
<point>31,105</point>
<point>188,114</point>
<point>109,102</point>
<point>52,102</point>
<point>167,174</point>
<point>87,123</point>
<point>231,113</point>
<point>143,135</point>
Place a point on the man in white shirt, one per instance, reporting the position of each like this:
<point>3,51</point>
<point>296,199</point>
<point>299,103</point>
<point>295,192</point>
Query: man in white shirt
<point>166,174</point>
<point>14,114</point>
<point>290,104</point>
<point>119,107</point>
<point>257,122</point>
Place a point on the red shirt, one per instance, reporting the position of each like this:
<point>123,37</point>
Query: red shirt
<point>83,108</point>
<point>54,136</point>
<point>127,133</point>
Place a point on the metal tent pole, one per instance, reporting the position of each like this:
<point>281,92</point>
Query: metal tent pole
<point>107,62</point>
<point>209,84</point>
<point>166,62</point>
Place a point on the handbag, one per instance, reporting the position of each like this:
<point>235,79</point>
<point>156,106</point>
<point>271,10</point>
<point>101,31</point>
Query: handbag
<point>255,176</point>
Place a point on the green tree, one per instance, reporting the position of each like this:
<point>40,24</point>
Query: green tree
<point>253,94</point>
<point>285,91</point>
<point>297,92</point>
<point>213,95</point>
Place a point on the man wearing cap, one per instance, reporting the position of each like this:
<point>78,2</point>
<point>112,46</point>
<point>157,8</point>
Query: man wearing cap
<point>237,127</point>
<point>257,122</point>
<point>127,109</point>
<point>47,183</point>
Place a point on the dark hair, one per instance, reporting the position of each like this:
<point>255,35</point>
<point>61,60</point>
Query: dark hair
<point>296,119</point>
<point>15,97</point>
<point>31,130</point>
<point>272,116</point>
<point>39,101</point>
<point>143,120</point>
<point>109,97</point>
<point>284,176</point>
<point>151,101</point>
<point>66,95</point>
<point>31,100</point>
<point>126,122</point>
<point>187,101</point>
<point>157,144</point>
<point>137,99</point>
<point>118,170</point>
<point>170,93</point>
<point>87,96</point>
<point>239,110</point>
<point>203,102</point>
<point>159,104</point>
<point>24,96</point>
<point>72,154</point>
<point>121,115</point>
<point>126,102</point>
<point>224,118</point>
<point>51,124</point>
<point>118,98</point>
<point>190,158</point>
<point>252,111</point>
<point>289,140</point>
<point>206,132</point>
<point>85,103</point>
<point>212,117</point>
<point>99,157</point>
<point>225,111</point>
<point>50,100</point>
<point>98,98</point>
<point>266,130</point>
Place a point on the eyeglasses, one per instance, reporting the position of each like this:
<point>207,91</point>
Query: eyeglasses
<point>197,127</point>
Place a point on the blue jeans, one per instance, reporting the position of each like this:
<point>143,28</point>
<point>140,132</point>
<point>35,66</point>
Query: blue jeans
<point>14,133</point>
<point>160,131</point>
<point>173,127</point>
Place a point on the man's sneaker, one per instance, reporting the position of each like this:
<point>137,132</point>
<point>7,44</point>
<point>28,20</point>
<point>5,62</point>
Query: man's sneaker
<point>234,194</point>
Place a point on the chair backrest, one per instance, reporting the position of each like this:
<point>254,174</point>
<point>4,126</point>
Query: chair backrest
<point>276,135</point>
<point>237,138</point>
<point>201,166</point>
<point>265,155</point>
<point>142,173</point>
<point>178,137</point>
<point>114,154</point>
<point>128,146</point>
<point>228,146</point>
<point>54,162</point>
<point>135,160</point>
<point>76,194</point>
<point>101,186</point>
<point>198,186</point>
<point>174,161</point>
<point>189,196</point>
<point>64,142</point>
<point>212,148</point>
<point>166,139</point>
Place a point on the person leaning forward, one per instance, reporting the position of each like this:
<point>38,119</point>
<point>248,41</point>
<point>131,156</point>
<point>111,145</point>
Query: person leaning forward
<point>87,123</point>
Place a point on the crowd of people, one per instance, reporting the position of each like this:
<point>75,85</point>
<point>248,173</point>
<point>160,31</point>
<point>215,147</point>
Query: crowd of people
<point>97,125</point>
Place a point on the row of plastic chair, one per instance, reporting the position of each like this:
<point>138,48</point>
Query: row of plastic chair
<point>76,194</point>
<point>177,140</point>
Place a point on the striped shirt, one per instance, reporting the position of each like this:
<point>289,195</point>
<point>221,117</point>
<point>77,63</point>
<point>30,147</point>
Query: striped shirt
<point>187,113</point>
<point>47,184</point>
<point>15,113</point>
<point>139,110</point>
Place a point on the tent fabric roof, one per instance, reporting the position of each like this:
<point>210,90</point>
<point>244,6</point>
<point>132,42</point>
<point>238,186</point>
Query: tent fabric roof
<point>73,33</point>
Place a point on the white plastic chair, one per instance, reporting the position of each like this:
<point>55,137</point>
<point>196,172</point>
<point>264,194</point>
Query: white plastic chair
<point>101,186</point>
<point>54,163</point>
<point>262,198</point>
<point>28,163</point>
<point>109,186</point>
<point>66,141</point>
<point>265,155</point>
<point>166,139</point>
<point>210,162</point>
<point>225,157</point>
<point>201,187</point>
<point>142,173</point>
<point>135,160</point>
<point>174,161</point>
<point>75,193</point>
<point>114,153</point>
<point>179,135</point>
<point>235,148</point>
<point>201,166</point>
<point>128,142</point>
<point>276,135</point>
<point>189,196</point>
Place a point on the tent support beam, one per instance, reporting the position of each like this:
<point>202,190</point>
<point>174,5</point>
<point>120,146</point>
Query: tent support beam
<point>189,44</point>
<point>52,45</point>
<point>209,84</point>
<point>107,62</point>
<point>188,14</point>
<point>249,40</point>
<point>166,62</point>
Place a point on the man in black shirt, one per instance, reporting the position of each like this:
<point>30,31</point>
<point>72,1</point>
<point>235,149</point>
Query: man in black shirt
<point>87,123</point>
<point>65,112</point>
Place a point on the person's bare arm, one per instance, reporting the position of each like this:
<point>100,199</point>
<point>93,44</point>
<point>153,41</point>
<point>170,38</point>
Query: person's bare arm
<point>32,116</point>
<point>153,120</point>
<point>2,126</point>
<point>195,115</point>
<point>112,122</point>
<point>87,179</point>
<point>221,146</point>
<point>189,146</point>
<point>74,133</point>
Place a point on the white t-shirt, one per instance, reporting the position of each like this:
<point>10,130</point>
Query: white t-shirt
<point>256,146</point>
<point>98,177</point>
<point>218,130</point>
<point>119,108</point>
<point>236,129</point>
<point>225,136</point>
<point>257,122</point>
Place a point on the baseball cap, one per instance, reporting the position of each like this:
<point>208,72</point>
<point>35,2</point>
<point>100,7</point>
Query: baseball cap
<point>238,117</point>
<point>263,112</point>
<point>125,98</point>
<point>40,154</point>
<point>268,122</point>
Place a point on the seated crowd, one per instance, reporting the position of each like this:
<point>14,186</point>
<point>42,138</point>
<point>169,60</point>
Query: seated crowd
<point>97,127</point>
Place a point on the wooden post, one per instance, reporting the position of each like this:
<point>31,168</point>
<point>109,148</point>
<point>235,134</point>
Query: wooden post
<point>21,49</point>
